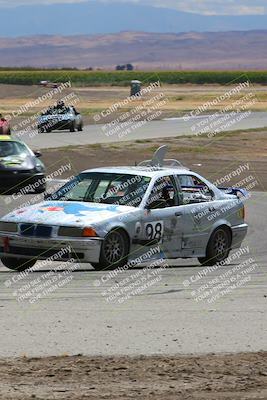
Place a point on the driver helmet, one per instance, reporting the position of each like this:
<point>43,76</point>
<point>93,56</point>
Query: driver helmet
<point>60,104</point>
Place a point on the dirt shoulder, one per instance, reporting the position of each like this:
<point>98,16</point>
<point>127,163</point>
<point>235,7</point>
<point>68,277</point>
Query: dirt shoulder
<point>217,377</point>
<point>216,158</point>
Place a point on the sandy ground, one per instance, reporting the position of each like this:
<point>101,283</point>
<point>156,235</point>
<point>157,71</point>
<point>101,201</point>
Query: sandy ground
<point>216,377</point>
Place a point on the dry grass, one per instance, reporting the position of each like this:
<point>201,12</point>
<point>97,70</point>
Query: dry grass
<point>179,98</point>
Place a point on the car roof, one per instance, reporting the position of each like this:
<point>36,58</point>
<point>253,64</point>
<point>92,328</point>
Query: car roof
<point>141,170</point>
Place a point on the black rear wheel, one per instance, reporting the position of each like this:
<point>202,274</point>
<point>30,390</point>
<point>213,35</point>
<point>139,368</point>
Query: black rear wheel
<point>72,127</point>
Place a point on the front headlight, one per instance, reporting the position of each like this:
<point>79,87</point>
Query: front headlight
<point>76,232</point>
<point>9,227</point>
<point>70,231</point>
<point>39,167</point>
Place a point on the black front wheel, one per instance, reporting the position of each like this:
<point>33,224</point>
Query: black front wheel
<point>114,250</point>
<point>17,264</point>
<point>41,129</point>
<point>218,247</point>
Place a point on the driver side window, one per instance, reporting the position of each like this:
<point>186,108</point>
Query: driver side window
<point>163,194</point>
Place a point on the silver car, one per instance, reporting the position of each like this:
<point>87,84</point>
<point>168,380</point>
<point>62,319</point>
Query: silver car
<point>66,118</point>
<point>110,216</point>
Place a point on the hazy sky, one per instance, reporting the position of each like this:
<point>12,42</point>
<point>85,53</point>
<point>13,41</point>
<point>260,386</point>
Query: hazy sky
<point>208,7</point>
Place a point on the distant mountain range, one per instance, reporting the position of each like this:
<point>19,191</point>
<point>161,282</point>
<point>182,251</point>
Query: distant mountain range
<point>97,17</point>
<point>193,50</point>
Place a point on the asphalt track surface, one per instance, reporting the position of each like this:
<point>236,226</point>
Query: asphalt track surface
<point>173,127</point>
<point>163,319</point>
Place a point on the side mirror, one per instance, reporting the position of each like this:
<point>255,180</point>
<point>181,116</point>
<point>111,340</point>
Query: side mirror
<point>37,154</point>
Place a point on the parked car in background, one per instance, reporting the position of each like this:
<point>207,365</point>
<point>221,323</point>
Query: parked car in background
<point>49,84</point>
<point>20,168</point>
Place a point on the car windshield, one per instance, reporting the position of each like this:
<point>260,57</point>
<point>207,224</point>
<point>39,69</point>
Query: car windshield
<point>107,188</point>
<point>10,148</point>
<point>57,110</point>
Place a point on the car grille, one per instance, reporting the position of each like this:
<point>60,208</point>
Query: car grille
<point>31,230</point>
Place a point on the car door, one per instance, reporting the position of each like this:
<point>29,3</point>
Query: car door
<point>199,212</point>
<point>161,223</point>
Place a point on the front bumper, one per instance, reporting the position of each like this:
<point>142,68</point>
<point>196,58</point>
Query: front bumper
<point>84,250</point>
<point>239,234</point>
<point>12,181</point>
<point>56,125</point>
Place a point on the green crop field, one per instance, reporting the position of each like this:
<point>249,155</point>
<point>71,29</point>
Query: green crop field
<point>122,78</point>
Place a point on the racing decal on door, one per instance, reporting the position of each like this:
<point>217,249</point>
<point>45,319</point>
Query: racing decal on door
<point>154,231</point>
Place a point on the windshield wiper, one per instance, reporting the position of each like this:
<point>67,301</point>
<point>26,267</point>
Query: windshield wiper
<point>79,199</point>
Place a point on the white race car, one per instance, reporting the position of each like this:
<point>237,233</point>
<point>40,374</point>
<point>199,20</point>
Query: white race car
<point>109,216</point>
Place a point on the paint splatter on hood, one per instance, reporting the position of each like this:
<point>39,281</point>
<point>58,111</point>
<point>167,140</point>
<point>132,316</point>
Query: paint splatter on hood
<point>66,213</point>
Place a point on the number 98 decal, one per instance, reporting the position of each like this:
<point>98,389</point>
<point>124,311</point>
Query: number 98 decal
<point>154,230</point>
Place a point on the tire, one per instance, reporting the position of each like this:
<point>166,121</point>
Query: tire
<point>114,251</point>
<point>97,266</point>
<point>17,264</point>
<point>72,128</point>
<point>218,247</point>
<point>80,128</point>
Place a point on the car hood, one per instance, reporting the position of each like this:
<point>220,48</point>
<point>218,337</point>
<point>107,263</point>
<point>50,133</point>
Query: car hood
<point>16,162</point>
<point>66,213</point>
